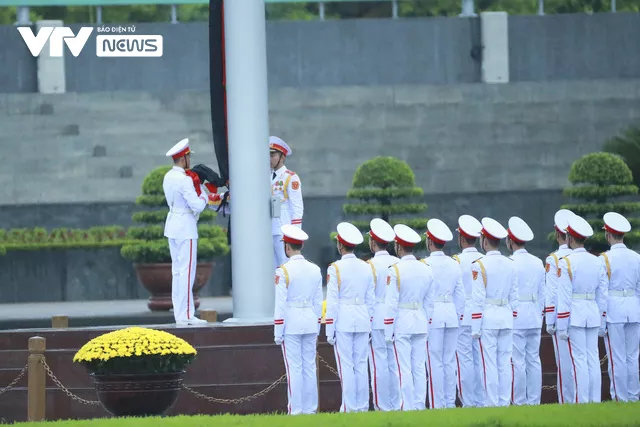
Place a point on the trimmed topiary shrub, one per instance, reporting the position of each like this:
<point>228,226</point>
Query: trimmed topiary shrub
<point>627,146</point>
<point>602,182</point>
<point>147,243</point>
<point>384,187</point>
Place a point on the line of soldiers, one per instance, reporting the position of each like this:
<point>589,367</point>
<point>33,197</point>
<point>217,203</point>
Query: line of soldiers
<point>471,323</point>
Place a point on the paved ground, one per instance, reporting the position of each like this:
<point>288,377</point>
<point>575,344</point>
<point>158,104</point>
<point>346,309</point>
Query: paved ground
<point>98,313</point>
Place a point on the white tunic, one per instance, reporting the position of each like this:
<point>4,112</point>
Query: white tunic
<point>184,205</point>
<point>298,306</point>
<point>287,187</point>
<point>465,258</point>
<point>551,285</point>
<point>623,270</point>
<point>448,304</point>
<point>350,297</point>
<point>381,262</point>
<point>530,272</point>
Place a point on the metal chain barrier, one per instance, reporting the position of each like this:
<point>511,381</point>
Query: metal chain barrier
<point>13,383</point>
<point>325,363</point>
<point>240,399</point>
<point>65,390</point>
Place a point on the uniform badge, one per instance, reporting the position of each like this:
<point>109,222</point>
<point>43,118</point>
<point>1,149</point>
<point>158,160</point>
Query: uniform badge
<point>546,268</point>
<point>388,280</point>
<point>559,272</point>
<point>277,279</point>
<point>475,275</point>
<point>295,185</point>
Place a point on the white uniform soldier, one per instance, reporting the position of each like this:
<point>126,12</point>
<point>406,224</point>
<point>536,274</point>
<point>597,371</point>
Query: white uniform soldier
<point>181,229</point>
<point>448,309</point>
<point>582,303</point>
<point>565,372</point>
<point>297,315</point>
<point>623,310</point>
<point>382,361</point>
<point>285,186</point>
<point>495,301</point>
<point>469,363</point>
<point>409,305</point>
<point>350,308</point>
<point>527,326</point>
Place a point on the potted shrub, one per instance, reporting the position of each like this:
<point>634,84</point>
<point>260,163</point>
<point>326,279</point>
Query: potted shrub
<point>149,249</point>
<point>136,371</point>
<point>602,182</point>
<point>384,187</point>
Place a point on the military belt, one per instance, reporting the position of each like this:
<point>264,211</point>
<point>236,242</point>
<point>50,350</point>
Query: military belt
<point>498,302</point>
<point>624,293</point>
<point>181,211</point>
<point>444,298</point>
<point>410,305</point>
<point>351,301</point>
<point>589,297</point>
<point>299,304</point>
<point>528,297</point>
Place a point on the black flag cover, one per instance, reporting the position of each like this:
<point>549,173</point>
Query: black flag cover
<point>217,86</point>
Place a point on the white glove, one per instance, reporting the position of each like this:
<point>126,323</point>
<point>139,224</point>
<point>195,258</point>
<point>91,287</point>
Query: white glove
<point>331,340</point>
<point>389,339</point>
<point>551,329</point>
<point>475,334</point>
<point>278,340</point>
<point>602,332</point>
<point>563,334</point>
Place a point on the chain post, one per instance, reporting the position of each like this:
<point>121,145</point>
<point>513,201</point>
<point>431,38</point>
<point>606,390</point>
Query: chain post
<point>36,384</point>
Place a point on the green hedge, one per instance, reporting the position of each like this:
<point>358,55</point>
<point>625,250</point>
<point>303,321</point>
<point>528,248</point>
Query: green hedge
<point>147,244</point>
<point>33,239</point>
<point>602,183</point>
<point>384,187</point>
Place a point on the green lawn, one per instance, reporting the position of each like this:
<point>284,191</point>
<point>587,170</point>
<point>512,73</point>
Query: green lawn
<point>604,414</point>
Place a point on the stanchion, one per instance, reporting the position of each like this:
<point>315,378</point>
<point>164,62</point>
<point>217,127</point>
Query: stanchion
<point>60,322</point>
<point>36,385</point>
<point>210,316</point>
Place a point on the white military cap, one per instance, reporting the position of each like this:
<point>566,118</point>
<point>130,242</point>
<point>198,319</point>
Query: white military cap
<point>349,235</point>
<point>292,234</point>
<point>381,231</point>
<point>276,144</point>
<point>180,149</point>
<point>469,227</point>
<point>492,229</point>
<point>561,220</point>
<point>438,231</point>
<point>615,223</point>
<point>579,227</point>
<point>406,236</point>
<point>519,231</point>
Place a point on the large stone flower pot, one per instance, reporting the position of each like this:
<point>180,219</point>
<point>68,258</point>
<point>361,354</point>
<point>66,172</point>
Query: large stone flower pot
<point>156,278</point>
<point>138,394</point>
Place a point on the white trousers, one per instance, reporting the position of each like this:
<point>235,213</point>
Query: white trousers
<point>566,379</point>
<point>299,353</point>
<point>279,256</point>
<point>496,347</point>
<point>526,367</point>
<point>583,349</point>
<point>469,369</point>
<point>410,372</point>
<point>441,367</point>
<point>621,343</point>
<point>351,351</point>
<point>183,271</point>
<point>381,363</point>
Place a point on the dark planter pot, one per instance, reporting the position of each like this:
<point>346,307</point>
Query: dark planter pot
<point>156,278</point>
<point>138,394</point>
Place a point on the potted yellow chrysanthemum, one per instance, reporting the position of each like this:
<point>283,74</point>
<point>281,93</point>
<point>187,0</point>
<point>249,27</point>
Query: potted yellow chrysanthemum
<point>136,371</point>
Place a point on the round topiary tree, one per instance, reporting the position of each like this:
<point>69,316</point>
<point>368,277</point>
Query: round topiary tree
<point>385,188</point>
<point>602,182</point>
<point>149,249</point>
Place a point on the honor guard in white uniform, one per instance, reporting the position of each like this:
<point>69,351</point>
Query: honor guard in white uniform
<point>297,315</point>
<point>470,379</point>
<point>287,189</point>
<point>565,373</point>
<point>350,307</point>
<point>382,361</point>
<point>181,230</point>
<point>409,305</point>
<point>448,309</point>
<point>623,310</point>
<point>582,301</point>
<point>527,327</point>
<point>495,304</point>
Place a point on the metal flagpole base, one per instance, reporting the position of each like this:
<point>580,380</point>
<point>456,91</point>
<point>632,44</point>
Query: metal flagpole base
<point>259,321</point>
